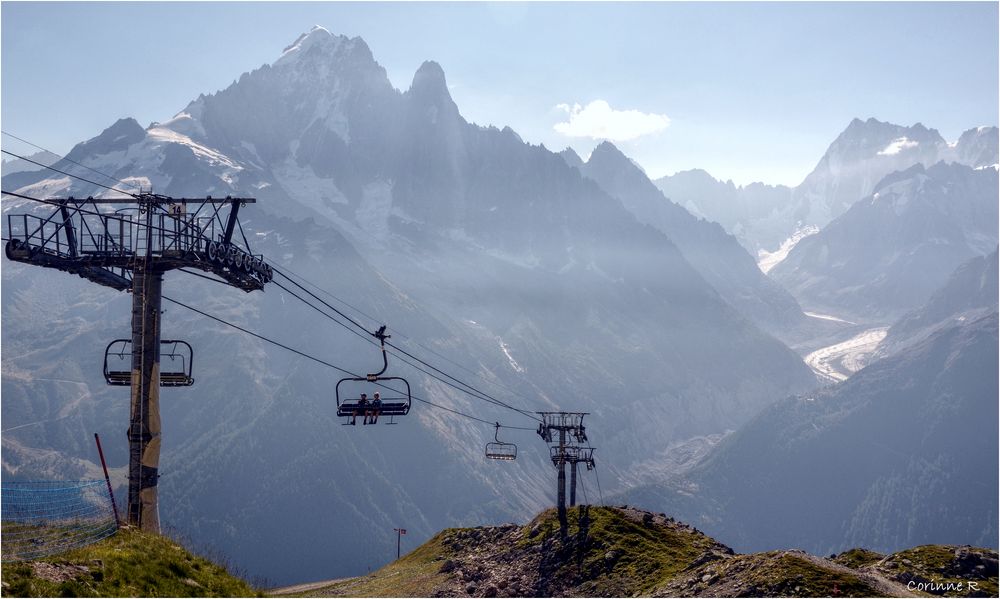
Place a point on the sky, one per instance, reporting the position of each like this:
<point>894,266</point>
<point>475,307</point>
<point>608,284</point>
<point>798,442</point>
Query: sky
<point>747,91</point>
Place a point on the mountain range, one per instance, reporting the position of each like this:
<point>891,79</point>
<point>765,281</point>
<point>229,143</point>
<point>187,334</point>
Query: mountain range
<point>764,216</point>
<point>495,255</point>
<point>872,461</point>
<point>542,280</point>
<point>892,249</point>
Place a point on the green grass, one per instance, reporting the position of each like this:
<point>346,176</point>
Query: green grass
<point>857,558</point>
<point>770,574</point>
<point>934,563</point>
<point>416,574</point>
<point>617,556</point>
<point>793,575</point>
<point>643,557</point>
<point>129,564</point>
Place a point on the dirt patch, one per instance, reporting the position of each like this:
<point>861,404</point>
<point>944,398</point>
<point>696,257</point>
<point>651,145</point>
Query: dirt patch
<point>58,572</point>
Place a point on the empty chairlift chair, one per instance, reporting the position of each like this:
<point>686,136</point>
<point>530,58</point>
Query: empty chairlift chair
<point>498,450</point>
<point>176,359</point>
<point>396,402</point>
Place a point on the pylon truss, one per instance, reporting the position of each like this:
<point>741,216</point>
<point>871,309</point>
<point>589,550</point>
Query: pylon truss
<point>572,454</point>
<point>570,423</point>
<point>104,246</point>
<point>130,249</point>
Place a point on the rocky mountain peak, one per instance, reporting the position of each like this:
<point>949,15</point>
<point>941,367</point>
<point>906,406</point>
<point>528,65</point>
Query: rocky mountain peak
<point>607,156</point>
<point>978,147</point>
<point>571,157</point>
<point>429,90</point>
<point>317,40</point>
<point>122,133</point>
<point>429,80</point>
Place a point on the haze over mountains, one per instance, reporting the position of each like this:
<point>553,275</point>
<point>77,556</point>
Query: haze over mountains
<point>874,461</point>
<point>552,283</point>
<point>763,216</point>
<point>500,256</point>
<point>892,249</point>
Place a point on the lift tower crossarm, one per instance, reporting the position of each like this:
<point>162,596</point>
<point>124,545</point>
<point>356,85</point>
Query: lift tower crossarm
<point>129,251</point>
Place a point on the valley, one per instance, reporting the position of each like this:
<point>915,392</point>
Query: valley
<point>837,362</point>
<point>780,366</point>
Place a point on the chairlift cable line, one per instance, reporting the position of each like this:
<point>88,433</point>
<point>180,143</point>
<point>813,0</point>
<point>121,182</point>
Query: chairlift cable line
<point>432,375</point>
<point>346,317</point>
<point>475,391</point>
<point>406,337</point>
<point>482,396</point>
<point>94,170</point>
<point>84,211</point>
<point>52,168</point>
<point>486,397</point>
<point>334,366</point>
<point>494,400</point>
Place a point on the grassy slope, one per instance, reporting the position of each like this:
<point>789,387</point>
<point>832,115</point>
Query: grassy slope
<point>416,574</point>
<point>616,556</point>
<point>622,556</point>
<point>628,553</point>
<point>936,563</point>
<point>128,564</point>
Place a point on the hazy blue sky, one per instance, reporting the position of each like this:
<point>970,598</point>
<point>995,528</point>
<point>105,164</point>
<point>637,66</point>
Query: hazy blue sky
<point>746,91</point>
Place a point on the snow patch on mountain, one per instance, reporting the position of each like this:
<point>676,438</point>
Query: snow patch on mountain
<point>163,135</point>
<point>898,145</point>
<point>309,189</point>
<point>316,36</point>
<point>506,351</point>
<point>767,260</point>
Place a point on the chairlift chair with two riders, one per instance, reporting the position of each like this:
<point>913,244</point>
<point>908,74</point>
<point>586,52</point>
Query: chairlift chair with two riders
<point>176,359</point>
<point>349,402</point>
<point>498,450</point>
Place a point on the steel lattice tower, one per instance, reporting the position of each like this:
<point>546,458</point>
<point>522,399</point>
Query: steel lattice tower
<point>565,423</point>
<point>131,252</point>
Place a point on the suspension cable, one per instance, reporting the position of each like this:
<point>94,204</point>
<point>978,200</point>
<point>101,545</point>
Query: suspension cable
<point>334,366</point>
<point>70,160</point>
<point>406,337</point>
<point>52,168</point>
<point>472,390</point>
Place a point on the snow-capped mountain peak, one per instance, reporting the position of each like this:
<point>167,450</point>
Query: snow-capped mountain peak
<point>316,37</point>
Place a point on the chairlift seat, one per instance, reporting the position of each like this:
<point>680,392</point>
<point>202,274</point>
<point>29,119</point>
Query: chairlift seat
<point>175,363</point>
<point>501,451</point>
<point>498,450</point>
<point>390,406</point>
<point>393,407</point>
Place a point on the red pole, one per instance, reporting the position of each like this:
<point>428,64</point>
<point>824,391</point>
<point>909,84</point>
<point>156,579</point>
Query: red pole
<point>107,478</point>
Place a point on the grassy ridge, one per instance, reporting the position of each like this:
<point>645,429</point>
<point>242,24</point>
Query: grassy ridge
<point>129,564</point>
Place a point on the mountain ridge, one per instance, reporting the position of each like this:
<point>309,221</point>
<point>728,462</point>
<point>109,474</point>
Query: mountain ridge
<point>626,551</point>
<point>493,252</point>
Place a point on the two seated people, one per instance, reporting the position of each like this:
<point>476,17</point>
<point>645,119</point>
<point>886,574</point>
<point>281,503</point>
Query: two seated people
<point>370,409</point>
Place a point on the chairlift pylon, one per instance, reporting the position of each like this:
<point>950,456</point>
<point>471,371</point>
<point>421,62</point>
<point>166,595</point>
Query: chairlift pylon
<point>176,359</point>
<point>396,405</point>
<point>498,450</point>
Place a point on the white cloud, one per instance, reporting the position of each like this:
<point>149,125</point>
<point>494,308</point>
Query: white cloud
<point>598,120</point>
<point>898,145</point>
